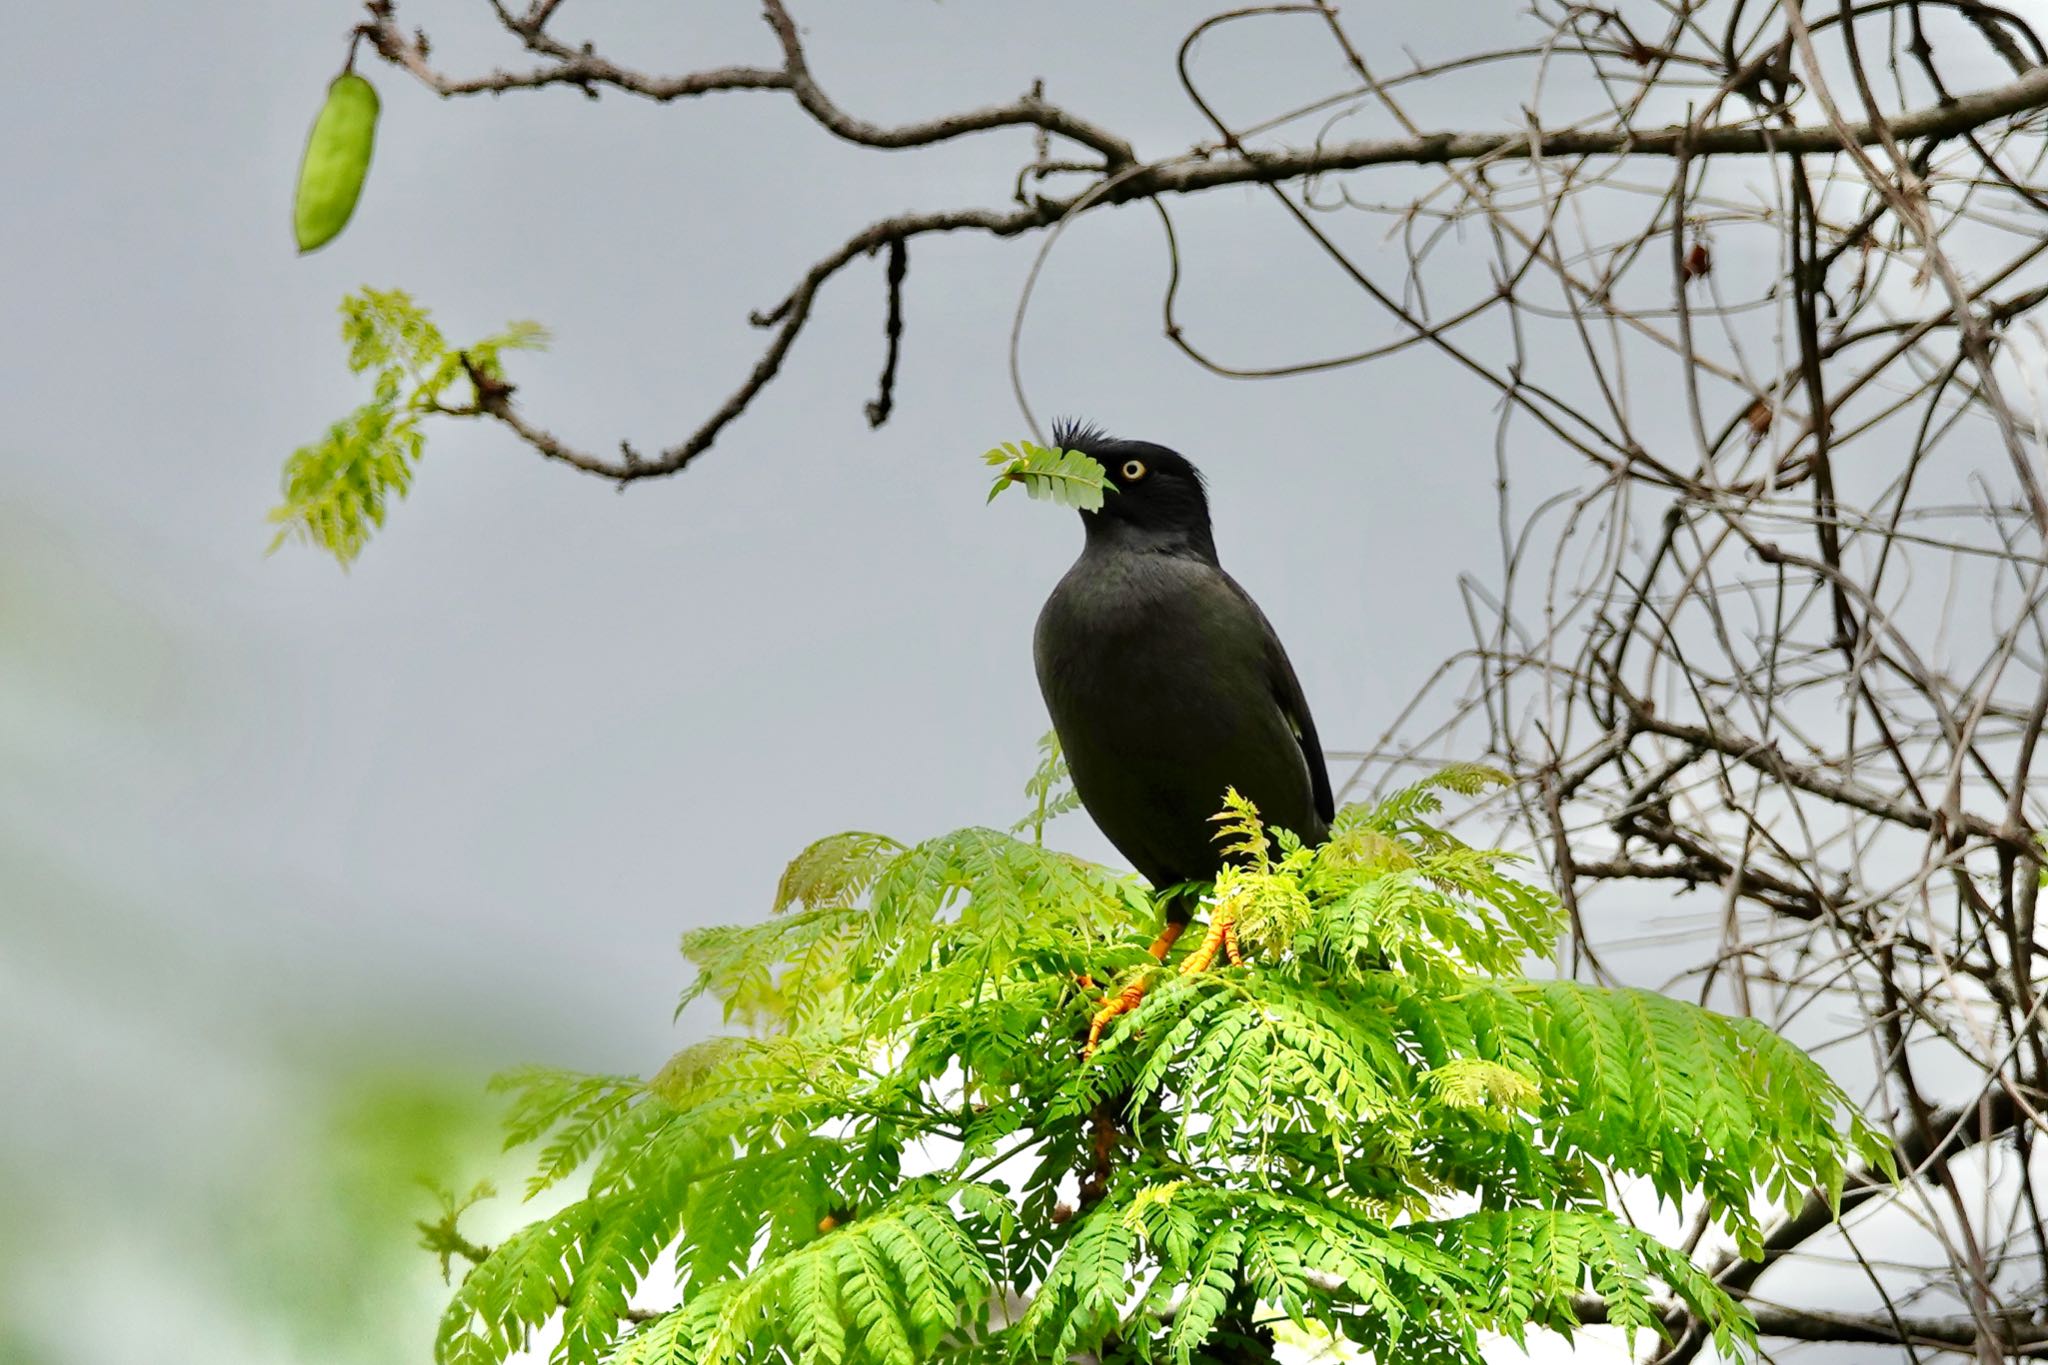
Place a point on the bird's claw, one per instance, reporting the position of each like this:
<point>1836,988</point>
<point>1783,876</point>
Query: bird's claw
<point>1221,937</point>
<point>1128,999</point>
<point>1113,1006</point>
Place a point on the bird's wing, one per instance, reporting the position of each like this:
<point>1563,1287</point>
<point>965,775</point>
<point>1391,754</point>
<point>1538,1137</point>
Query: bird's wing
<point>1287,689</point>
<point>1294,705</point>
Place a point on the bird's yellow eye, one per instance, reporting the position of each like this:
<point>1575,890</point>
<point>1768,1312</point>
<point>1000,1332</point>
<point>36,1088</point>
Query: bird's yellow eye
<point>1134,470</point>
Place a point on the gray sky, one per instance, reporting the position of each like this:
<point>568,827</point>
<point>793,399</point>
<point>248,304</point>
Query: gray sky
<point>459,803</point>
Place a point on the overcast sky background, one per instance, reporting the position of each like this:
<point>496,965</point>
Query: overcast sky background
<point>263,822</point>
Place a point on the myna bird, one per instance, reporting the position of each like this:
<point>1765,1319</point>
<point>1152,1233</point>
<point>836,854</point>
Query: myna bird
<point>1167,685</point>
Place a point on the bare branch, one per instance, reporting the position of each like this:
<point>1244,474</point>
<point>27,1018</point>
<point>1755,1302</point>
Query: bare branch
<point>885,393</point>
<point>1122,179</point>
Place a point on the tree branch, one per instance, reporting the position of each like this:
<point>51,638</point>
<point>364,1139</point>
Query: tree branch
<point>1995,1115</point>
<point>2016,1328</point>
<point>1122,179</point>
<point>892,327</point>
<point>584,69</point>
<point>788,318</point>
<point>1032,110</point>
<point>2024,95</point>
<point>1768,759</point>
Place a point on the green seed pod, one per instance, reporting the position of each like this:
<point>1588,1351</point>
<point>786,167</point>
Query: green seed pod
<point>337,158</point>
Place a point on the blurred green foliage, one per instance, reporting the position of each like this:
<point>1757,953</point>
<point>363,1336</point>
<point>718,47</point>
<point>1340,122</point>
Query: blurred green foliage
<point>338,490</point>
<point>190,1168</point>
<point>326,1244</point>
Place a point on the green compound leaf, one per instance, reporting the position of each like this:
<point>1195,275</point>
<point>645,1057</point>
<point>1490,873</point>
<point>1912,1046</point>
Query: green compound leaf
<point>339,489</point>
<point>1062,476</point>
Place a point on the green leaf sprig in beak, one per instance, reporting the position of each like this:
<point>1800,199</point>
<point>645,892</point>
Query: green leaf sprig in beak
<point>1062,476</point>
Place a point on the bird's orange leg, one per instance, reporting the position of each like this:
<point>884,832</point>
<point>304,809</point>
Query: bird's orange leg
<point>1222,937</point>
<point>1123,1002</point>
<point>1168,936</point>
<point>1128,999</point>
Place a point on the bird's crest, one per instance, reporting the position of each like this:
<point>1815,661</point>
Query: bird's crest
<point>1074,433</point>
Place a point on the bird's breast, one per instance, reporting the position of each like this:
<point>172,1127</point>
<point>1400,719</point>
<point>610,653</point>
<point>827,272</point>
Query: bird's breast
<point>1157,678</point>
<point>1145,654</point>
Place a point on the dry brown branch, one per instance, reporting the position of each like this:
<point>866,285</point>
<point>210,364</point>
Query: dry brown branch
<point>1122,178</point>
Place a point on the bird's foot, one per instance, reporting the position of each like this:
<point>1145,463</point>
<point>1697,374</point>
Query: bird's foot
<point>1124,1001</point>
<point>1222,937</point>
<point>1113,1007</point>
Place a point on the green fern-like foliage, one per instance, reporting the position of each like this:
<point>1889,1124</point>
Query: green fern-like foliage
<point>338,490</point>
<point>1051,790</point>
<point>1374,1127</point>
<point>1063,476</point>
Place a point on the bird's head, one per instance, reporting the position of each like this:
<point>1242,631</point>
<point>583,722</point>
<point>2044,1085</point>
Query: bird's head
<point>1159,503</point>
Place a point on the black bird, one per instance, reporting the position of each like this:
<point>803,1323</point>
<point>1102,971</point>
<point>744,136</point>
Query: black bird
<point>1165,681</point>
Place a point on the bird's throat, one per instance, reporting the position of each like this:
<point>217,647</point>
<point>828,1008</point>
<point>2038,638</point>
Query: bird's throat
<point>1116,536</point>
